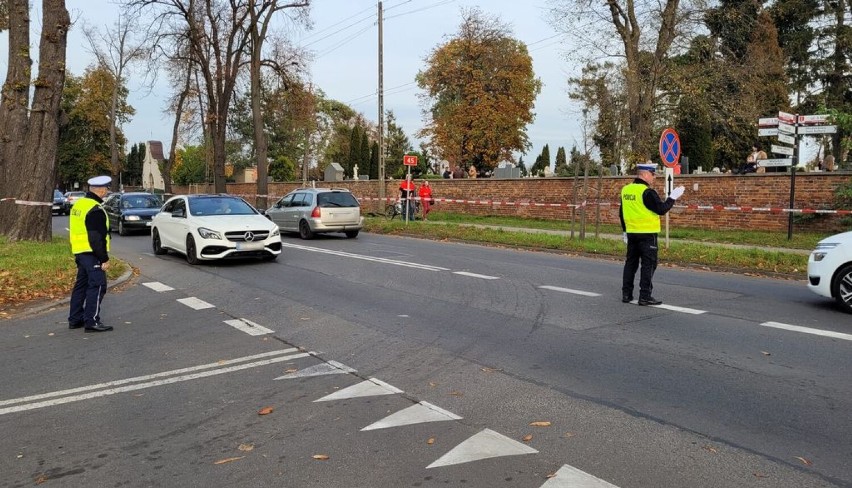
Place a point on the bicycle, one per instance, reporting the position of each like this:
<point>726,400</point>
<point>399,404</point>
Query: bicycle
<point>395,208</point>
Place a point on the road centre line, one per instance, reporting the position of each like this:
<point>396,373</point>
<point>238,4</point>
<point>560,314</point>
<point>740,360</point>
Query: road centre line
<point>147,377</point>
<point>249,327</point>
<point>675,308</point>
<point>569,290</point>
<point>426,267</point>
<point>150,384</point>
<point>195,303</point>
<point>808,330</point>
<point>474,275</point>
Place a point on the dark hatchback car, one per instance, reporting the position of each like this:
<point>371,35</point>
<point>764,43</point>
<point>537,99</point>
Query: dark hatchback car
<point>60,204</point>
<point>129,212</point>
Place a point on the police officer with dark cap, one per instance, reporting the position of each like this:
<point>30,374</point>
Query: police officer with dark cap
<point>89,236</point>
<point>640,213</point>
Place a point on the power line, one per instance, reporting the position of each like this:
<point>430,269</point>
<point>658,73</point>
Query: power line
<point>344,41</point>
<point>438,4</point>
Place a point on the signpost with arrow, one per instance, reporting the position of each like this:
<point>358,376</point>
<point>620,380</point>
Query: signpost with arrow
<point>787,128</point>
<point>670,154</point>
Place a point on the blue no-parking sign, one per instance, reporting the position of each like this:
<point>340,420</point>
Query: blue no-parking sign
<point>670,148</point>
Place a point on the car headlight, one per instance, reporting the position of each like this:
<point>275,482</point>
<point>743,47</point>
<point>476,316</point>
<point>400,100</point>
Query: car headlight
<point>822,249</point>
<point>208,234</point>
<point>276,232</point>
<point>133,218</point>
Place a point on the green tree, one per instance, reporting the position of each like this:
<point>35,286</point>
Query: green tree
<point>561,168</point>
<point>537,168</point>
<point>374,161</point>
<point>364,155</point>
<point>397,145</point>
<point>190,166</point>
<point>480,91</point>
<point>522,166</point>
<point>282,168</point>
<point>354,151</point>
<point>132,174</point>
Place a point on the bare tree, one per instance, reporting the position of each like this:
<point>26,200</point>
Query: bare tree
<point>29,134</point>
<point>645,56</point>
<point>260,15</point>
<point>117,49</point>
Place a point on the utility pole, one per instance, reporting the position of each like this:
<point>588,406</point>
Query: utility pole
<point>381,118</point>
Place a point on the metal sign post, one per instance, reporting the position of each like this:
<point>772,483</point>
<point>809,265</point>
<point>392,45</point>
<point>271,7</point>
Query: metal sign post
<point>670,154</point>
<point>408,161</point>
<point>669,174</point>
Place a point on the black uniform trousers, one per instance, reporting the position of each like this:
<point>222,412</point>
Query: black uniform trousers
<point>89,290</point>
<point>640,247</point>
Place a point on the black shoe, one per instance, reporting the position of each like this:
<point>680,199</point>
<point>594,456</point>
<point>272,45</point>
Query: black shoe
<point>76,325</point>
<point>650,301</point>
<point>626,298</point>
<point>99,327</point>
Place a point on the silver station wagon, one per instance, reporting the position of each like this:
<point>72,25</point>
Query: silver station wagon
<point>311,211</point>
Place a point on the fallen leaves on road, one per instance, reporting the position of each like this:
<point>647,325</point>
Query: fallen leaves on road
<point>41,479</point>
<point>710,449</point>
<point>291,370</point>
<point>265,411</point>
<point>430,441</point>
<point>229,460</point>
<point>765,353</point>
<point>321,457</point>
<point>433,384</point>
<point>456,393</point>
<point>489,370</point>
<point>540,423</point>
<point>760,475</point>
<point>527,438</point>
<point>806,462</point>
<point>246,447</point>
<point>568,434</point>
<point>551,475</point>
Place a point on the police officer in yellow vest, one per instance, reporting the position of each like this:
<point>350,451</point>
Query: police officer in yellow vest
<point>89,235</point>
<point>640,213</point>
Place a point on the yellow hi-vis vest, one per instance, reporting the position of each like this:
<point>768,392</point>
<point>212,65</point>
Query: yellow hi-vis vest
<point>637,218</point>
<point>78,234</point>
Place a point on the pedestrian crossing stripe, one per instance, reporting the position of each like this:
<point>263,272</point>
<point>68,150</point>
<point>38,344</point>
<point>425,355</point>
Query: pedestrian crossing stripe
<point>331,367</point>
<point>158,287</point>
<point>370,387</point>
<point>484,445</point>
<point>195,303</point>
<point>571,477</point>
<point>416,414</point>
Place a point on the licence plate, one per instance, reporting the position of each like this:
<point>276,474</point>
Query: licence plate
<point>147,224</point>
<point>249,246</point>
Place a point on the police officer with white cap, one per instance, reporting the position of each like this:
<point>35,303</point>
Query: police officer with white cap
<point>89,235</point>
<point>640,213</point>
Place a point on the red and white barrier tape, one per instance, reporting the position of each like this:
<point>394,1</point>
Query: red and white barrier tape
<point>26,202</point>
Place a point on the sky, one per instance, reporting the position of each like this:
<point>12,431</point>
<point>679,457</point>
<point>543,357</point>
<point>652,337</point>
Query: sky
<point>344,44</point>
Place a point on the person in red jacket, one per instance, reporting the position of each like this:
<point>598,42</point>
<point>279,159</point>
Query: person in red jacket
<point>425,195</point>
<point>407,194</point>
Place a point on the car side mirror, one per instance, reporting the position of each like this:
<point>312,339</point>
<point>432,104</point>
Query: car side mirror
<point>179,213</point>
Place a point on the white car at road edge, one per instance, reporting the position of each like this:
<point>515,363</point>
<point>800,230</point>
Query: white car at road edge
<point>210,227</point>
<point>830,269</point>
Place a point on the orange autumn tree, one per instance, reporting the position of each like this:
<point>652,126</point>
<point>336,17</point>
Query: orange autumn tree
<point>480,93</point>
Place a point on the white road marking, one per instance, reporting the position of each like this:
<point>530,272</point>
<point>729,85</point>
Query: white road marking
<point>322,369</point>
<point>370,387</point>
<point>150,384</point>
<point>808,330</point>
<point>249,327</point>
<point>195,303</point>
<point>474,275</point>
<point>416,414</point>
<point>395,262</point>
<point>148,377</point>
<point>674,308</point>
<point>569,290</point>
<point>484,445</point>
<point>571,477</point>
<point>158,287</point>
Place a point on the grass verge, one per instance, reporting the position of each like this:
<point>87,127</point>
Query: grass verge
<point>40,270</point>
<point>801,240</point>
<point>755,261</point>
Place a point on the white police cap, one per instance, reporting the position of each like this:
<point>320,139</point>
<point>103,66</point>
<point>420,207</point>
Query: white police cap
<point>647,167</point>
<point>100,181</point>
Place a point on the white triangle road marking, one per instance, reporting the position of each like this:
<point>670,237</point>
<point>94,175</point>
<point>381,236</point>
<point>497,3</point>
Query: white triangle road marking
<point>370,387</point>
<point>571,477</point>
<point>484,445</point>
<point>158,287</point>
<point>331,367</point>
<point>416,414</point>
<point>195,303</point>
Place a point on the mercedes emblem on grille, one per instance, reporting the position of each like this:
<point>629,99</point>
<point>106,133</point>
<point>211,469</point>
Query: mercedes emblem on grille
<point>249,236</point>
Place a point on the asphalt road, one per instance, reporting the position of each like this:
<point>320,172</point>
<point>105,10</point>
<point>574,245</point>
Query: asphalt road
<point>470,344</point>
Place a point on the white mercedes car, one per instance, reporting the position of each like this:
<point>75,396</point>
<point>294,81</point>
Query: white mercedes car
<point>209,227</point>
<point>830,269</point>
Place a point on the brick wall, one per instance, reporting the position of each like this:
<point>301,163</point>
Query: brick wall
<point>813,190</point>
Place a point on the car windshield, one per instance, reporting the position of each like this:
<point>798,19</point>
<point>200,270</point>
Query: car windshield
<point>336,199</point>
<point>57,194</point>
<point>140,201</point>
<point>219,206</point>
